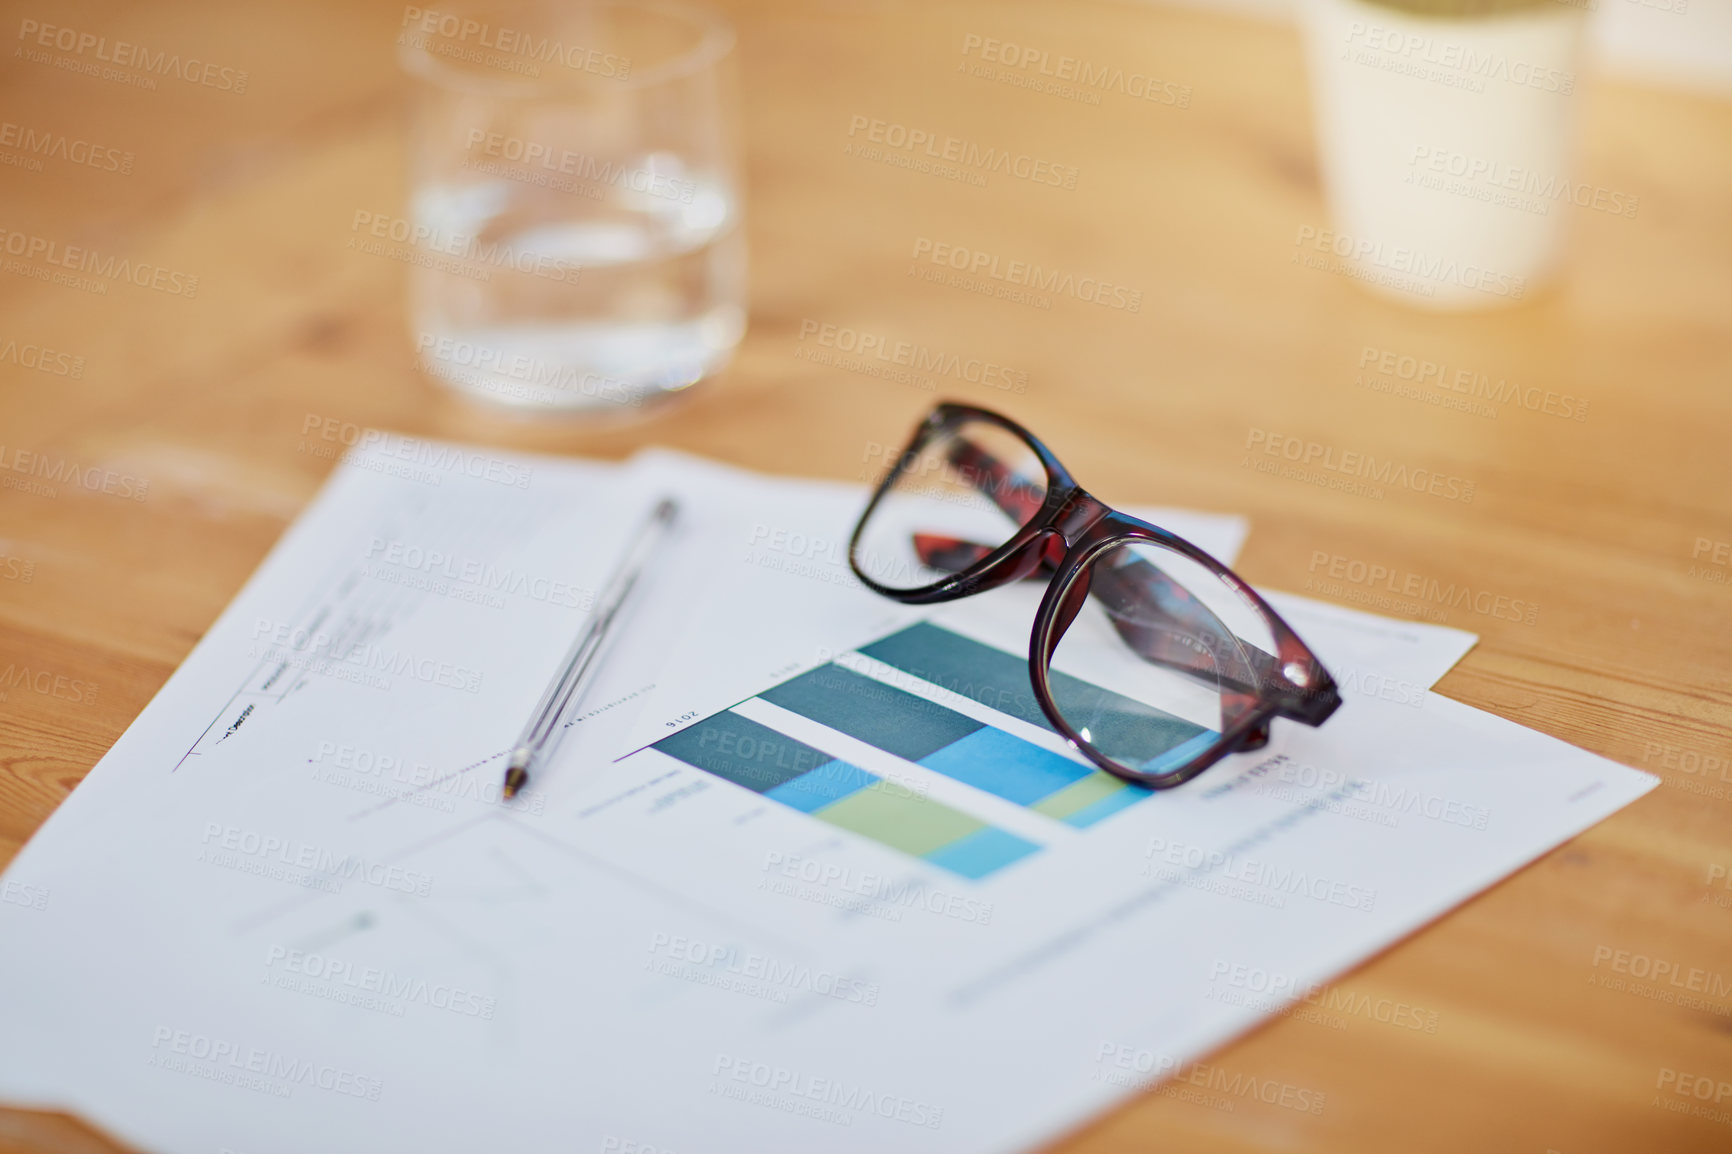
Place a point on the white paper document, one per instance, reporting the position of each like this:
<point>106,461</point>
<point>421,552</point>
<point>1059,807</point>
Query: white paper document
<point>807,872</point>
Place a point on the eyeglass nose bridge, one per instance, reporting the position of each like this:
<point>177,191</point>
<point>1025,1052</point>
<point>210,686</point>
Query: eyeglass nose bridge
<point>1075,519</point>
<point>1060,533</point>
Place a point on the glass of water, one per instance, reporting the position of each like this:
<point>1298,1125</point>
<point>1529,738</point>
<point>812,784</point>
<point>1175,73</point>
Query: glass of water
<point>574,234</point>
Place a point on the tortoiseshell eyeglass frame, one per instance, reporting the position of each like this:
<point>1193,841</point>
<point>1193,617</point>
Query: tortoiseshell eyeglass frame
<point>1061,533</point>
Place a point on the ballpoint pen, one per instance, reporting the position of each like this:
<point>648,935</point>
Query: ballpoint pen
<point>546,725</point>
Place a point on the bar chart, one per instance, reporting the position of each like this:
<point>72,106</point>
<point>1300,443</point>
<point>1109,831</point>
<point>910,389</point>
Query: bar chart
<point>882,699</point>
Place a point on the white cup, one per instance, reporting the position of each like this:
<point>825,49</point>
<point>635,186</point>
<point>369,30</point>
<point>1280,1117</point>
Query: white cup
<point>1445,146</point>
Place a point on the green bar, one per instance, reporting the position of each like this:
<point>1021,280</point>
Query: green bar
<point>901,821</point>
<point>1078,795</point>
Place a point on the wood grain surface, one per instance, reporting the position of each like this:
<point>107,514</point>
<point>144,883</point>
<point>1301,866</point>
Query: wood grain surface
<point>1593,524</point>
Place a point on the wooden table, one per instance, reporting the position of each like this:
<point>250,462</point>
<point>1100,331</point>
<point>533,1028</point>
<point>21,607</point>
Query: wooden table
<point>1606,527</point>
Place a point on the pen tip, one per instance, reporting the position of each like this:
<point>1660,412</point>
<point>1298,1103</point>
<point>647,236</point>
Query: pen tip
<point>514,779</point>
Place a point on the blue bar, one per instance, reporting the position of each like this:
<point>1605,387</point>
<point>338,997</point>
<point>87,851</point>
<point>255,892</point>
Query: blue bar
<point>981,852</point>
<point>1009,767</point>
<point>1180,754</point>
<point>832,781</point>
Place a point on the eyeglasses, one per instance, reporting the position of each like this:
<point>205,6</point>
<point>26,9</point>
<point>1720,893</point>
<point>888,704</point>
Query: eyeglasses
<point>1151,657</point>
